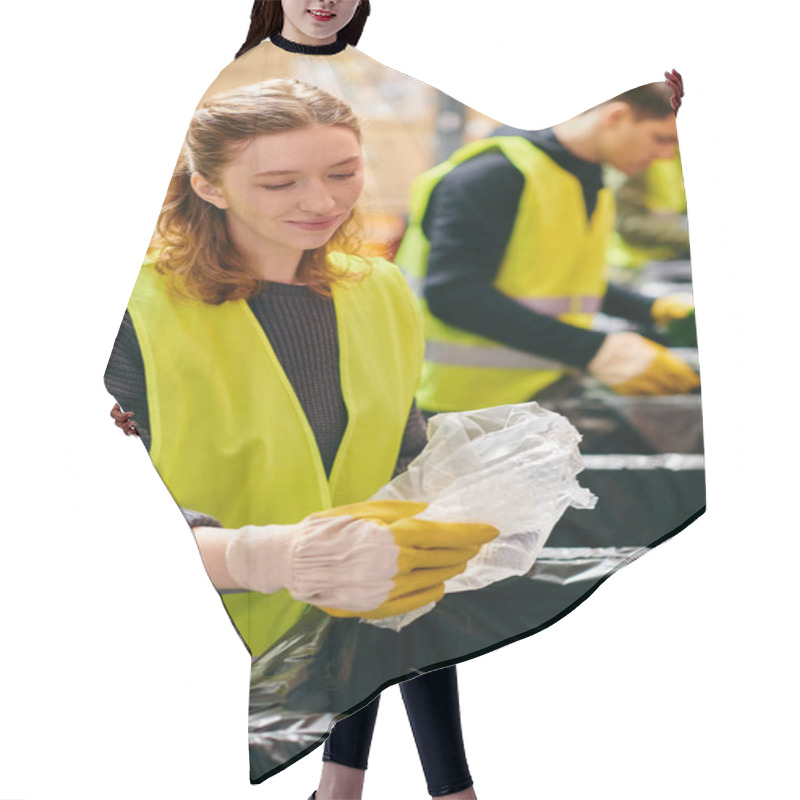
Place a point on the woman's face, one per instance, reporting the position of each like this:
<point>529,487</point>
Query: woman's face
<point>315,22</point>
<point>288,192</point>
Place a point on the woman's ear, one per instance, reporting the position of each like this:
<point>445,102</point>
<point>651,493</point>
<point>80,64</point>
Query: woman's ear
<point>207,191</point>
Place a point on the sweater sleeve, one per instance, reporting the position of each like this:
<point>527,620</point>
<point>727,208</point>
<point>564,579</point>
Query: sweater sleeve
<point>622,302</point>
<point>125,378</point>
<point>414,440</point>
<point>468,223</point>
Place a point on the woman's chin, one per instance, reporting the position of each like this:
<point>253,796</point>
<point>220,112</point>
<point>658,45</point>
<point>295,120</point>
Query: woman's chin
<point>308,239</point>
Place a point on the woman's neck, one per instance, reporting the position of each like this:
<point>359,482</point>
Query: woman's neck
<point>267,260</point>
<point>294,34</point>
<point>276,267</point>
<point>316,49</point>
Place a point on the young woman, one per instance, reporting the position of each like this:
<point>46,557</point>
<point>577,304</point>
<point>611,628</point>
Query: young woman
<point>317,29</point>
<point>271,372</point>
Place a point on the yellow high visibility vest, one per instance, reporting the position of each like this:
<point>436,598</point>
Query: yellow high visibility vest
<point>554,263</point>
<point>664,194</point>
<point>229,436</point>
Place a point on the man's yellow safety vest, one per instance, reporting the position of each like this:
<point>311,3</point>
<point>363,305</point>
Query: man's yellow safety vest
<point>664,194</point>
<point>554,264</point>
<point>229,436</point>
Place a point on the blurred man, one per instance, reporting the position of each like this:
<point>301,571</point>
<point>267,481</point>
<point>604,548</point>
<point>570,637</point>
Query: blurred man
<point>506,249</point>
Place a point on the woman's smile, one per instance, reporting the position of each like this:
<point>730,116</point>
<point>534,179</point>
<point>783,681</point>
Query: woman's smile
<point>317,224</point>
<point>320,15</point>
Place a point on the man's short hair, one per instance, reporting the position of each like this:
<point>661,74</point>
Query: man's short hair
<point>649,101</point>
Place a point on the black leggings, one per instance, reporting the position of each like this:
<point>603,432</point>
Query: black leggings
<point>432,707</point>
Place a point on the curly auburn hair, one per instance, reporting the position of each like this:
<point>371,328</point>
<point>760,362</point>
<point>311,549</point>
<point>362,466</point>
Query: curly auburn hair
<point>191,245</point>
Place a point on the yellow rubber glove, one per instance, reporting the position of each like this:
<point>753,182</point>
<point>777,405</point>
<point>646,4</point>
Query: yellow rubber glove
<point>429,553</point>
<point>671,307</point>
<point>632,365</point>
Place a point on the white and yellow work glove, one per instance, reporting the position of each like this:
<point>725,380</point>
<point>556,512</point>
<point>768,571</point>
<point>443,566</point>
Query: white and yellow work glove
<point>632,365</point>
<point>671,307</point>
<point>364,560</point>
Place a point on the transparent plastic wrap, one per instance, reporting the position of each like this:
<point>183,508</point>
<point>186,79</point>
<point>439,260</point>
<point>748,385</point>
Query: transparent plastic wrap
<point>510,466</point>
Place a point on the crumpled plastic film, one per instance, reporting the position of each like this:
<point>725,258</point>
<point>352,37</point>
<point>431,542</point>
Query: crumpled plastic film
<point>511,466</point>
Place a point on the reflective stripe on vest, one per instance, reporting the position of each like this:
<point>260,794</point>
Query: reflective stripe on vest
<point>556,306</point>
<point>551,306</point>
<point>554,263</point>
<point>229,437</point>
<point>487,357</point>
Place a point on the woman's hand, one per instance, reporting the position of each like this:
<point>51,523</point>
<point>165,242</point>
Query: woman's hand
<point>365,560</point>
<point>124,420</point>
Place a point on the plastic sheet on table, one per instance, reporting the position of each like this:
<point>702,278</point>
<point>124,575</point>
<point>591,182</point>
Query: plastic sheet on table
<point>294,687</point>
<point>612,423</point>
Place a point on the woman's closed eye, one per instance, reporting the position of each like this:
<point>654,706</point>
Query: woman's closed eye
<point>274,186</point>
<point>339,176</point>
